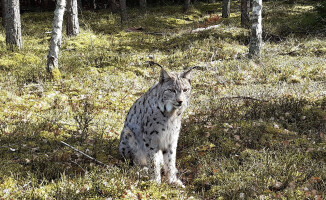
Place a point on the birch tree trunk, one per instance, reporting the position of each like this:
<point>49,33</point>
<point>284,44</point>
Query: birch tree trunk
<point>72,18</point>
<point>13,25</point>
<point>123,10</point>
<point>226,8</point>
<point>143,5</point>
<point>256,29</point>
<point>186,5</point>
<point>3,11</point>
<point>245,6</point>
<point>55,43</point>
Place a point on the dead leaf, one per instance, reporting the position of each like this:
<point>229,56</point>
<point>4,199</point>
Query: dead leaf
<point>285,143</point>
<point>207,134</point>
<point>215,171</point>
<point>237,137</point>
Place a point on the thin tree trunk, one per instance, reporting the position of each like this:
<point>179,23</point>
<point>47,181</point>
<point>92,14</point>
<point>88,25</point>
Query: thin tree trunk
<point>55,43</point>
<point>94,4</point>
<point>226,8</point>
<point>45,5</point>
<point>143,5</point>
<point>123,10</point>
<point>3,11</point>
<point>186,5</point>
<point>245,6</point>
<point>72,18</point>
<point>80,4</point>
<point>113,5</point>
<point>256,29</point>
<point>13,25</point>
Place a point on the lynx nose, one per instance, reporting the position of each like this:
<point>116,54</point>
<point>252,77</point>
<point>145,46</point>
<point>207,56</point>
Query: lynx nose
<point>179,102</point>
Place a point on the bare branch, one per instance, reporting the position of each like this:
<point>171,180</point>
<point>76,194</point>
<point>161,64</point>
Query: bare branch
<point>84,154</point>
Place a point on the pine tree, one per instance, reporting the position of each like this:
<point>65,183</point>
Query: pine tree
<point>3,11</point>
<point>186,5</point>
<point>143,4</point>
<point>123,10</point>
<point>245,6</point>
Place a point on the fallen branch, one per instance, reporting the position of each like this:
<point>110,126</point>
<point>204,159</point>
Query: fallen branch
<point>204,29</point>
<point>84,154</point>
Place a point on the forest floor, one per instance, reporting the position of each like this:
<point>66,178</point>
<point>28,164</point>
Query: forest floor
<point>255,128</point>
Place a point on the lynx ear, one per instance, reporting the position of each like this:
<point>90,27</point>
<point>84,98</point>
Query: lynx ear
<point>188,72</point>
<point>165,75</point>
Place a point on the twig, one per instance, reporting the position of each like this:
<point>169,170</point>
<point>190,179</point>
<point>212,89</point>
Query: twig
<point>244,97</point>
<point>154,33</point>
<point>84,154</point>
<point>71,49</point>
<point>78,165</point>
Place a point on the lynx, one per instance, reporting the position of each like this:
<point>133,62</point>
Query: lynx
<point>151,130</point>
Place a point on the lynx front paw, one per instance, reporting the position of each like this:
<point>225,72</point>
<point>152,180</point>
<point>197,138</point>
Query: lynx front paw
<point>177,183</point>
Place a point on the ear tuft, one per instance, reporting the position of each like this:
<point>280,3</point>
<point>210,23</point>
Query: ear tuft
<point>188,72</point>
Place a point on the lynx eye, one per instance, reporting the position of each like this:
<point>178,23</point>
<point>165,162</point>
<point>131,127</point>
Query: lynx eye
<point>172,90</point>
<point>185,90</point>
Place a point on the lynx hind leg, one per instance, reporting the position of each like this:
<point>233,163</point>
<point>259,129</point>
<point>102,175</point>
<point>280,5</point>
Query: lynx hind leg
<point>125,148</point>
<point>130,148</point>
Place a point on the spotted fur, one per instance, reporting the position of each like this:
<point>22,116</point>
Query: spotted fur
<point>151,130</point>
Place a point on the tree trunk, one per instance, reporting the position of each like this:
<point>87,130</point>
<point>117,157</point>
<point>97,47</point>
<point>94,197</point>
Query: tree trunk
<point>80,4</point>
<point>226,8</point>
<point>256,29</point>
<point>45,5</point>
<point>3,11</point>
<point>72,18</point>
<point>123,10</point>
<point>186,5</point>
<point>113,5</point>
<point>55,43</point>
<point>94,4</point>
<point>13,25</point>
<point>245,6</point>
<point>143,5</point>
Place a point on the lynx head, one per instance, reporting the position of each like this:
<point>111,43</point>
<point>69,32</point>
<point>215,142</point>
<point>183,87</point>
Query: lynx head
<point>175,88</point>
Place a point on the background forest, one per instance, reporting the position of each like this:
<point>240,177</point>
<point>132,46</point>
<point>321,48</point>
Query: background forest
<point>255,128</point>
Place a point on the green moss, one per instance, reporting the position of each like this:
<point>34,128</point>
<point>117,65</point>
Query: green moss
<point>56,74</point>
